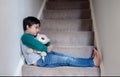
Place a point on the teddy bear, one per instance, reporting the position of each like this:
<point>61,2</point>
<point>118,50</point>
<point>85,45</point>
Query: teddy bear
<point>44,40</point>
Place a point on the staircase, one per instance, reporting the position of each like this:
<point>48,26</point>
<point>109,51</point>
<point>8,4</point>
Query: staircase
<point>69,26</point>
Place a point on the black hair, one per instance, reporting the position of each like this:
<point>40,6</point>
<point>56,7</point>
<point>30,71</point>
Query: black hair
<point>30,21</point>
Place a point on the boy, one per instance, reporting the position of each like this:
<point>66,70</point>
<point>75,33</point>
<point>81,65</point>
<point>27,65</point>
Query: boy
<point>31,27</point>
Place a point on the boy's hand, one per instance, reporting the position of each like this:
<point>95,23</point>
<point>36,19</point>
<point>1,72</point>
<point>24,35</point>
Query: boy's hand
<point>50,48</point>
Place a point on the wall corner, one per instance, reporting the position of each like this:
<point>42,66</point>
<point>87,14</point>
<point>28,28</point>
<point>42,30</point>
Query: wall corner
<point>96,36</point>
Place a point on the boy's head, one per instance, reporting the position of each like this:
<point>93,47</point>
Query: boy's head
<point>31,25</point>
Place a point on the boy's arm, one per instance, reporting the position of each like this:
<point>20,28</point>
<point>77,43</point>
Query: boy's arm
<point>33,43</point>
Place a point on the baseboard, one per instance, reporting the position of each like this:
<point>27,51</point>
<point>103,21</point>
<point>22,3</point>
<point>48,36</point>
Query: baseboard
<point>39,16</point>
<point>97,42</point>
<point>18,71</point>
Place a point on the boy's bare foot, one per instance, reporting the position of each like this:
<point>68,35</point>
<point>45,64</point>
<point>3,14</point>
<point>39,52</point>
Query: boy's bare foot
<point>96,58</point>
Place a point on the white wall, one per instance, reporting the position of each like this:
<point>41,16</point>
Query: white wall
<point>12,13</point>
<point>107,24</point>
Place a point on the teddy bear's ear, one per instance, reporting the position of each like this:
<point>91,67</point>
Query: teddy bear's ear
<point>38,34</point>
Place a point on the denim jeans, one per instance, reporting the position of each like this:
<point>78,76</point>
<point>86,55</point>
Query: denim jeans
<point>55,59</point>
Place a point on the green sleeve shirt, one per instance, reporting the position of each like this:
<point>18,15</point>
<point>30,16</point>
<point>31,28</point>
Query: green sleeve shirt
<point>30,41</point>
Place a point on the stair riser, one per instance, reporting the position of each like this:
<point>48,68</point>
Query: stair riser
<point>66,25</point>
<point>70,39</point>
<point>67,5</point>
<point>82,52</point>
<point>70,42</point>
<point>67,14</point>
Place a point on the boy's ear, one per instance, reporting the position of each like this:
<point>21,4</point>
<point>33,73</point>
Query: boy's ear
<point>27,27</point>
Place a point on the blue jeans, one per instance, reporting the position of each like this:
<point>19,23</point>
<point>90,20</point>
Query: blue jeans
<point>55,59</point>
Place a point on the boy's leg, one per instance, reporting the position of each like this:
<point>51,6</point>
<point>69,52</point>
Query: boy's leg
<point>54,59</point>
<point>81,62</point>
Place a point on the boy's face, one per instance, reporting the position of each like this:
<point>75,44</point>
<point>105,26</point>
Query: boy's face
<point>34,29</point>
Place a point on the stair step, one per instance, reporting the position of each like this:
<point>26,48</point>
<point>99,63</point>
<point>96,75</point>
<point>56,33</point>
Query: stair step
<point>70,38</point>
<point>67,5</point>
<point>75,51</point>
<point>59,71</point>
<point>67,14</point>
<point>66,25</point>
<point>67,0</point>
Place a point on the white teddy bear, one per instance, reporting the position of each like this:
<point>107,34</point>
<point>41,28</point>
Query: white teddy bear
<point>44,40</point>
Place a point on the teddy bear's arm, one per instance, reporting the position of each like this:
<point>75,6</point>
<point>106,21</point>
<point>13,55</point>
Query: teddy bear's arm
<point>48,44</point>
